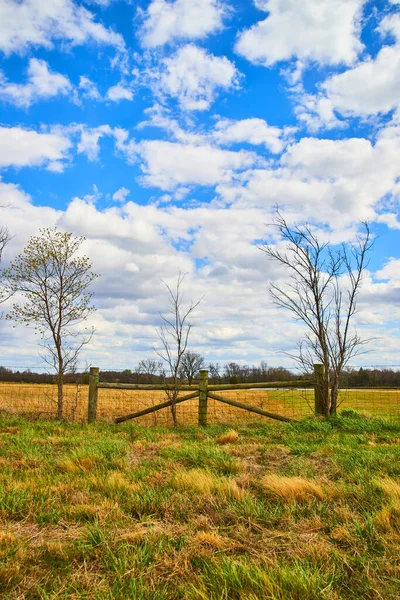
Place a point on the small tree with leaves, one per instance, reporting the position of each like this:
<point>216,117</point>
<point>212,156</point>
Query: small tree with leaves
<point>174,337</point>
<point>53,279</point>
<point>191,364</point>
<point>5,238</point>
<point>322,292</point>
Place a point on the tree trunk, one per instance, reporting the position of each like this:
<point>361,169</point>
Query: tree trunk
<point>60,399</point>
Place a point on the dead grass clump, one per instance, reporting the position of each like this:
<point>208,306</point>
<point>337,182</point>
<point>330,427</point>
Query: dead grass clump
<point>114,483</point>
<point>230,437</point>
<point>389,487</point>
<point>79,464</point>
<point>212,540</point>
<point>292,488</point>
<point>388,518</point>
<point>207,483</point>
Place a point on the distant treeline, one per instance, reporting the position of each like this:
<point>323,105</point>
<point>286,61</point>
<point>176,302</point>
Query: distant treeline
<point>229,373</point>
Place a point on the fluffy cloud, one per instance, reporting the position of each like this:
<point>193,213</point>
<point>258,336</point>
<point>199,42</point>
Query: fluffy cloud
<point>134,247</point>
<point>121,195</point>
<point>167,165</point>
<point>119,92</point>
<point>317,30</point>
<point>42,84</point>
<point>40,23</point>
<point>90,138</point>
<point>251,131</point>
<point>23,147</point>
<point>165,21</point>
<point>194,76</point>
<point>371,87</point>
<point>89,88</point>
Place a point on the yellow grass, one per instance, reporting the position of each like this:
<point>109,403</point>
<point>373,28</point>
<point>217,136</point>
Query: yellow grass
<point>41,400</point>
<point>229,437</point>
<point>291,488</point>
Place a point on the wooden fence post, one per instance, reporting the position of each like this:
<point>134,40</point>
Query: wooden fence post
<point>319,389</point>
<point>93,392</point>
<point>203,389</point>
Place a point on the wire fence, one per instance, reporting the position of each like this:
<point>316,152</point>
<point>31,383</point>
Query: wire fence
<point>40,401</point>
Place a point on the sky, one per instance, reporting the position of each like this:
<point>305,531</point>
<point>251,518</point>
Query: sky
<point>167,131</point>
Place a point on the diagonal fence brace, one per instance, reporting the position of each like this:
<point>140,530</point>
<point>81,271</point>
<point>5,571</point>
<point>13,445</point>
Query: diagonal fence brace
<point>151,409</point>
<point>250,408</point>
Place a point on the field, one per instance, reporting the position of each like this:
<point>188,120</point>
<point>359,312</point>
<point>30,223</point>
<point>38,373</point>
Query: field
<point>299,511</point>
<point>41,400</point>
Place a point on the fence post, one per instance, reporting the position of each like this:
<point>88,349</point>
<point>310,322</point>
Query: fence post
<point>93,392</point>
<point>203,389</point>
<point>319,390</point>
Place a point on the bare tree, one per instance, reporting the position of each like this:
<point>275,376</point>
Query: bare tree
<point>53,282</point>
<point>149,368</point>
<point>322,292</point>
<point>174,337</point>
<point>191,364</point>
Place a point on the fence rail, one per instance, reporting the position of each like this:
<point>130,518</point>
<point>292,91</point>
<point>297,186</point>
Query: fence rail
<point>203,391</point>
<point>202,403</point>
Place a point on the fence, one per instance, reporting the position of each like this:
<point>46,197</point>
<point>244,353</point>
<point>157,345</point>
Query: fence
<point>198,404</point>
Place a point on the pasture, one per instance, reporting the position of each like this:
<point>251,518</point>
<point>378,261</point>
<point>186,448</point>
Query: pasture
<point>301,511</point>
<point>41,400</point>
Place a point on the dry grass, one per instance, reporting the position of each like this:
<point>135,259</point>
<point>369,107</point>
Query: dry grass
<point>230,437</point>
<point>292,488</point>
<point>40,400</point>
<point>300,512</point>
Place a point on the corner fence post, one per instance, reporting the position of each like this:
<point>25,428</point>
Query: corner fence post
<point>203,389</point>
<point>93,393</point>
<point>319,407</point>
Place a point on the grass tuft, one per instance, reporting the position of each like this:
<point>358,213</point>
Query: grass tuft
<point>292,488</point>
<point>230,437</point>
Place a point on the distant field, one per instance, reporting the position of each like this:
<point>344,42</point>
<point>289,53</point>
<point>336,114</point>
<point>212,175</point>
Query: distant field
<point>304,511</point>
<point>41,399</point>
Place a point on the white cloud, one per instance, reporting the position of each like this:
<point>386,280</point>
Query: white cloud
<point>371,87</point>
<point>26,148</point>
<point>90,137</point>
<point>135,246</point>
<point>39,23</point>
<point>167,165</point>
<point>251,131</point>
<point>89,88</point>
<point>121,195</point>
<point>194,76</point>
<point>325,31</point>
<point>336,182</point>
<point>42,84</point>
<point>165,21</point>
<point>119,92</point>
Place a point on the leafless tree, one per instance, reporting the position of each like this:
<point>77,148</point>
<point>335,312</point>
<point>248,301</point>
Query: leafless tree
<point>214,372</point>
<point>191,364</point>
<point>322,292</point>
<point>174,337</point>
<point>149,368</point>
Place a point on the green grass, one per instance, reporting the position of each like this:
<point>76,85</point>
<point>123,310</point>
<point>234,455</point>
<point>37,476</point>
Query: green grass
<point>284,512</point>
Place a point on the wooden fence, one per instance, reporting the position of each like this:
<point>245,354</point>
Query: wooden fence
<point>203,391</point>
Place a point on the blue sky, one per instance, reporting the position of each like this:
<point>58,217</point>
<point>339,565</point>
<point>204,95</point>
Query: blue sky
<point>165,132</point>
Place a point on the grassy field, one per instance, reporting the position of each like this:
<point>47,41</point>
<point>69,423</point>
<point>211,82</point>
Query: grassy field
<point>41,399</point>
<point>277,512</point>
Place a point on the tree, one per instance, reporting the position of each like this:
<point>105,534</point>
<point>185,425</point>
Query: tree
<point>322,293</point>
<point>53,280</point>
<point>191,364</point>
<point>149,368</point>
<point>5,238</point>
<point>174,337</point>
